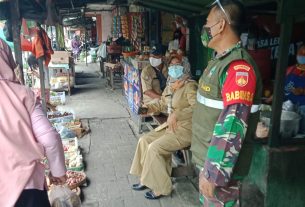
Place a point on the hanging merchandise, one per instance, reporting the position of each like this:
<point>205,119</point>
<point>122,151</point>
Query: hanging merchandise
<point>116,27</point>
<point>26,45</point>
<point>60,38</point>
<point>137,26</point>
<point>41,45</point>
<point>125,28</point>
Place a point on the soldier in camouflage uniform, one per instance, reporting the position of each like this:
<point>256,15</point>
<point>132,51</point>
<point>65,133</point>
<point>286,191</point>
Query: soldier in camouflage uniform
<point>226,113</point>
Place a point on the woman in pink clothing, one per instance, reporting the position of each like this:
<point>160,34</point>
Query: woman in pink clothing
<point>26,137</point>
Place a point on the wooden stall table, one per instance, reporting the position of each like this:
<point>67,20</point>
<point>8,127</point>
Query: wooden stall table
<point>114,73</point>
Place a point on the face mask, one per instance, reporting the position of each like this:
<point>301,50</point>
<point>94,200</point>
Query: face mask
<point>206,35</point>
<point>155,62</point>
<point>175,71</point>
<point>301,59</point>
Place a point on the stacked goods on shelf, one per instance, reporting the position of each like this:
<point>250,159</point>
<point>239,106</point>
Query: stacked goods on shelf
<point>61,57</point>
<point>61,121</point>
<point>116,26</point>
<point>69,129</point>
<point>61,70</point>
<point>73,157</point>
<point>59,77</point>
<point>60,117</point>
<point>73,127</point>
<point>137,30</point>
<point>125,29</point>
<point>57,98</point>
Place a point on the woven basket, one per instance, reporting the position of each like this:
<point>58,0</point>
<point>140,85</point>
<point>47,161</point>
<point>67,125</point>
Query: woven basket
<point>82,182</point>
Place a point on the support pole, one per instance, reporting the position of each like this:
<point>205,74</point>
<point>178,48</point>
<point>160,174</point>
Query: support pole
<point>86,45</point>
<point>42,84</point>
<point>278,97</point>
<point>16,27</point>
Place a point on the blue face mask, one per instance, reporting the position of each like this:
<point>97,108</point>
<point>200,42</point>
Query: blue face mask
<point>301,59</point>
<point>175,71</point>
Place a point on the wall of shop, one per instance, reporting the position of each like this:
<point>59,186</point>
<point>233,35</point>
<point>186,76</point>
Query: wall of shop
<point>198,55</point>
<point>279,175</point>
<point>99,29</point>
<point>106,25</point>
<point>167,27</point>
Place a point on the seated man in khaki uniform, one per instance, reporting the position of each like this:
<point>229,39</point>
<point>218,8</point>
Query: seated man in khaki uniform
<point>153,77</point>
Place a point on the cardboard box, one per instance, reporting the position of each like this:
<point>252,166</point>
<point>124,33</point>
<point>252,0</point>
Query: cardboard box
<point>60,57</point>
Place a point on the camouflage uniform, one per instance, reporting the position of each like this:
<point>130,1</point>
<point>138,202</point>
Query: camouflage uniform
<point>224,122</point>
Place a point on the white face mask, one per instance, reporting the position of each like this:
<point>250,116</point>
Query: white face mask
<point>155,62</point>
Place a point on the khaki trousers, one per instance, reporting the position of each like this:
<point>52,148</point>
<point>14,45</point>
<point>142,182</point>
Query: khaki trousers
<point>152,160</point>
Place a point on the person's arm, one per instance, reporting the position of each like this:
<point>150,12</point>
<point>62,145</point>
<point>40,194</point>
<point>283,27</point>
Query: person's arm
<point>230,130</point>
<point>47,136</point>
<point>146,81</point>
<point>152,94</point>
<point>160,105</point>
<point>226,143</point>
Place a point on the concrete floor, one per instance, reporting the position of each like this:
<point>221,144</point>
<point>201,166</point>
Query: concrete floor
<point>109,148</point>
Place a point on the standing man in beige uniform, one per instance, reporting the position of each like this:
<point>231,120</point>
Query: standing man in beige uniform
<point>153,77</point>
<point>152,160</point>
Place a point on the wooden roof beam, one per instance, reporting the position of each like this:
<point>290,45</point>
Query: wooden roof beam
<point>164,8</point>
<point>182,5</point>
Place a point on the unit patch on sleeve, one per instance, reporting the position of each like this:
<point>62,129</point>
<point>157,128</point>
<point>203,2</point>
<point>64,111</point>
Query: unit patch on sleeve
<point>240,84</point>
<point>241,78</point>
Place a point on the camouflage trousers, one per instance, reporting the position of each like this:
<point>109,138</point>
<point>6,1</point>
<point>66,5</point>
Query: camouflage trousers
<point>223,196</point>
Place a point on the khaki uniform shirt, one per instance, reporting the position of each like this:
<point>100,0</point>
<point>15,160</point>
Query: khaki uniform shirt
<point>150,81</point>
<point>182,101</point>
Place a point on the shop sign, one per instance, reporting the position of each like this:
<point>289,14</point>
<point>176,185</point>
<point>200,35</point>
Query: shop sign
<point>273,44</point>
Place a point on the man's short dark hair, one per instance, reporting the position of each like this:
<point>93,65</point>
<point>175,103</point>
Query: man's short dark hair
<point>236,12</point>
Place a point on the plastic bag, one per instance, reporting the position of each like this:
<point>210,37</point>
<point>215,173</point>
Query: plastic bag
<point>62,196</point>
<point>288,106</point>
<point>102,50</point>
<point>66,133</point>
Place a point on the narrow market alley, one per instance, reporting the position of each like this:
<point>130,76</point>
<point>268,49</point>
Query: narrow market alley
<point>109,148</point>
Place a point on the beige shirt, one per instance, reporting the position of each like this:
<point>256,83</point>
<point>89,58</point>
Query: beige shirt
<point>182,101</point>
<point>150,81</point>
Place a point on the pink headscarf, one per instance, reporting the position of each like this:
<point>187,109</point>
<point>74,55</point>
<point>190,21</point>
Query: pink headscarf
<point>19,150</point>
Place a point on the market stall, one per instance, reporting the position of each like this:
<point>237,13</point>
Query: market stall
<point>61,72</point>
<point>132,82</point>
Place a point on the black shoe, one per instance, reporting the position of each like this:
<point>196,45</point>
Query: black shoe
<point>151,195</point>
<point>138,187</point>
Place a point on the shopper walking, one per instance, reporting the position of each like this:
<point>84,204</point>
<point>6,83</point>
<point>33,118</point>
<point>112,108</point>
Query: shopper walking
<point>26,137</point>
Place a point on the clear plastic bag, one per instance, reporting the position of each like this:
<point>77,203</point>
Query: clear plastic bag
<point>62,196</point>
<point>66,133</point>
